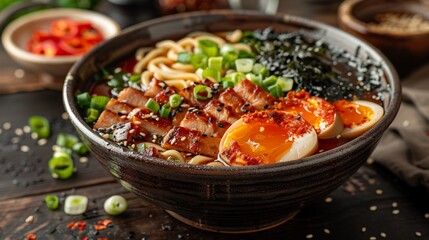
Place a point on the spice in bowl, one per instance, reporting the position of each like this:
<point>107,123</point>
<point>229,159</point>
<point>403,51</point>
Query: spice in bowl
<point>408,22</point>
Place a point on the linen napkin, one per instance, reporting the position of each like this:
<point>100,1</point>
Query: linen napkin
<point>404,148</point>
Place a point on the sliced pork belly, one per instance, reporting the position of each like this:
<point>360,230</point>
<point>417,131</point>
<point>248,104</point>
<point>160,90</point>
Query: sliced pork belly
<point>118,107</point>
<point>221,112</point>
<point>108,118</point>
<point>132,97</point>
<point>151,123</point>
<point>186,140</point>
<point>236,103</point>
<point>254,94</point>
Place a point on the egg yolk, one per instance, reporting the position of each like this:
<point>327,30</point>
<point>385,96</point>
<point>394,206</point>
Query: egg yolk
<point>264,141</point>
<point>353,114</point>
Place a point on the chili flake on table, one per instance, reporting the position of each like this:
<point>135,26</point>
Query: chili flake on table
<point>65,37</point>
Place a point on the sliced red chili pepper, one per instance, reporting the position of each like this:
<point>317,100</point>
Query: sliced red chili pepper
<point>64,28</point>
<point>74,46</point>
<point>31,236</point>
<point>91,35</point>
<point>99,227</point>
<point>48,48</point>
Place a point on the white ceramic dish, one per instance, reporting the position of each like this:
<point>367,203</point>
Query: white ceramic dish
<point>17,33</point>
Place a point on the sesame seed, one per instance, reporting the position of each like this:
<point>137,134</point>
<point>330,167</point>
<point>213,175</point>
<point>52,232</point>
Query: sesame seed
<point>34,136</point>
<point>14,140</point>
<point>29,219</point>
<point>123,117</point>
<point>327,231</point>
<point>65,116</point>
<point>173,141</point>
<point>261,129</point>
<point>42,141</point>
<point>363,229</point>
<point>56,148</point>
<point>406,123</point>
<point>19,73</point>
<point>370,161</point>
<point>7,125</point>
<point>328,199</point>
<point>106,136</point>
<point>26,129</point>
<point>183,139</point>
<point>418,234</point>
<point>394,204</point>
<point>19,131</point>
<point>373,208</point>
<point>372,238</point>
<point>142,134</point>
<point>338,136</point>
<point>379,191</point>
<point>24,148</point>
<point>395,212</point>
<point>83,159</point>
<point>132,131</point>
<point>309,236</point>
<point>137,122</point>
<point>383,235</point>
<point>427,215</point>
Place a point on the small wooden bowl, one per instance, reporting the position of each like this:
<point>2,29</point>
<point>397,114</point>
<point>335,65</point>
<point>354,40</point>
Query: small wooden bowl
<point>17,33</point>
<point>405,49</point>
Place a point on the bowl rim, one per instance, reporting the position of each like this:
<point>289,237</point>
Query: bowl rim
<point>13,49</point>
<point>202,170</point>
<point>346,16</point>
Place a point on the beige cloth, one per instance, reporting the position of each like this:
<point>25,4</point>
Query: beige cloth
<point>404,148</point>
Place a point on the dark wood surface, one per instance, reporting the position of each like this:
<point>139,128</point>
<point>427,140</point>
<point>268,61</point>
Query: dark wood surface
<point>373,203</point>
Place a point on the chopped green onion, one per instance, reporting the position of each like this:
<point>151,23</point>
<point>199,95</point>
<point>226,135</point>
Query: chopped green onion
<point>237,77</point>
<point>152,105</point>
<point>165,110</point>
<point>141,147</point>
<point>215,63</point>
<point>184,57</point>
<point>199,60</point>
<point>40,126</point>
<point>83,100</point>
<point>52,202</point>
<point>80,148</point>
<point>229,59</point>
<point>255,79</point>
<point>92,115</point>
<point>202,92</point>
<point>208,47</point>
<point>61,166</point>
<point>227,84</point>
<point>135,78</point>
<point>174,100</point>
<point>285,83</point>
<point>115,205</point>
<point>275,90</point>
<point>245,54</point>
<point>66,140</point>
<point>75,204</point>
<point>259,69</point>
<point>58,152</point>
<point>271,80</point>
<point>199,73</point>
<point>99,102</point>
<point>244,65</point>
<point>211,74</point>
<point>228,48</point>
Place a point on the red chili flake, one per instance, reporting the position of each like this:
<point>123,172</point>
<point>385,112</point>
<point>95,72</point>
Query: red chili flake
<point>105,222</point>
<point>99,227</point>
<point>102,239</point>
<point>31,236</point>
<point>70,225</point>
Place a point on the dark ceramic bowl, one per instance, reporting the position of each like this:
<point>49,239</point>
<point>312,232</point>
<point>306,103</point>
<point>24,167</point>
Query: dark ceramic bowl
<point>226,199</point>
<point>407,50</point>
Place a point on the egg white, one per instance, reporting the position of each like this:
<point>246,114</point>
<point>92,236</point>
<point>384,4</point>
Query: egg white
<point>358,130</point>
<point>333,130</point>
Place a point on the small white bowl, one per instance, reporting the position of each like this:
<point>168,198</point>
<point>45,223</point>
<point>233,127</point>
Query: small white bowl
<point>17,34</point>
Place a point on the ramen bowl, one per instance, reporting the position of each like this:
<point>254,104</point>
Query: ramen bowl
<point>226,199</point>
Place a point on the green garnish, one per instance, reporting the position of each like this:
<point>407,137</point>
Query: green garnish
<point>165,110</point>
<point>92,115</point>
<point>184,57</point>
<point>152,105</point>
<point>52,202</point>
<point>61,166</point>
<point>202,92</point>
<point>40,126</point>
<point>208,47</point>
<point>174,100</point>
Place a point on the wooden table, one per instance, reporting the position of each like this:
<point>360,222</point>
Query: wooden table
<point>373,203</point>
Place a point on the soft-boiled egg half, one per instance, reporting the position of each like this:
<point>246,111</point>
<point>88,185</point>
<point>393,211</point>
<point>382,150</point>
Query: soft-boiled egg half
<point>358,116</point>
<point>315,110</point>
<point>267,137</point>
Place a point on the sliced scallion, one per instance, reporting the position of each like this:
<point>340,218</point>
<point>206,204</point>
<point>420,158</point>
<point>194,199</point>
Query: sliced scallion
<point>227,48</point>
<point>135,78</point>
<point>244,65</point>
<point>199,60</point>
<point>92,115</point>
<point>80,148</point>
<point>83,100</point>
<point>40,126</point>
<point>152,105</point>
<point>184,57</point>
<point>141,147</point>
<point>212,74</point>
<point>285,83</point>
<point>52,202</point>
<point>227,84</point>
<point>202,92</point>
<point>66,140</point>
<point>208,47</point>
<point>275,90</point>
<point>75,204</point>
<point>269,81</point>
<point>61,166</point>
<point>174,100</point>
<point>99,102</point>
<point>165,110</point>
<point>215,63</point>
